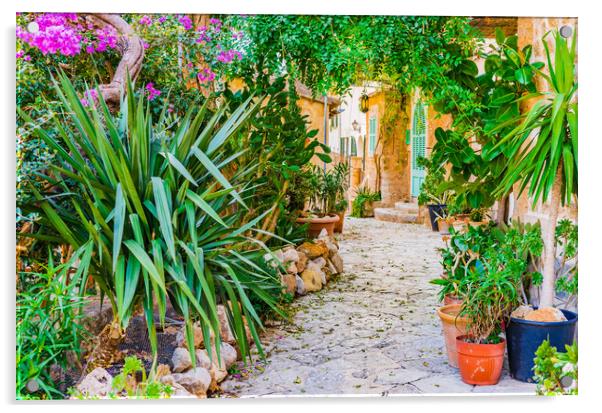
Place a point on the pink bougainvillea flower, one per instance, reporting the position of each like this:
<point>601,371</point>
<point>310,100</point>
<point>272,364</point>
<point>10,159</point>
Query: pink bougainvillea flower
<point>90,98</point>
<point>145,45</point>
<point>27,58</point>
<point>90,49</point>
<point>152,92</point>
<point>145,20</point>
<point>162,19</point>
<point>229,55</point>
<point>186,22</point>
<point>20,54</point>
<point>206,75</point>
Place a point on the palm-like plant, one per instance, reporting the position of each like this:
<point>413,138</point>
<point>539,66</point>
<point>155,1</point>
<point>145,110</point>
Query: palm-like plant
<point>548,163</point>
<point>152,200</point>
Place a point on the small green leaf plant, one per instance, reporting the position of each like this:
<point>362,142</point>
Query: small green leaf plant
<point>556,372</point>
<point>364,194</point>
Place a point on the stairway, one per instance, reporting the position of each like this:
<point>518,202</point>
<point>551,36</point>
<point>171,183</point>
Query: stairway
<point>402,212</point>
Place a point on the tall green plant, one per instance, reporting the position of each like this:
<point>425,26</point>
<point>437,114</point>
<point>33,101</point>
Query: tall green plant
<point>48,324</point>
<point>161,215</point>
<point>546,164</point>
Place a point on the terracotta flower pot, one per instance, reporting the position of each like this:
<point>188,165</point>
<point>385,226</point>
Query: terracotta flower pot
<point>338,226</point>
<point>316,225</point>
<point>452,299</point>
<point>480,364</point>
<point>443,226</point>
<point>477,223</point>
<point>453,326</point>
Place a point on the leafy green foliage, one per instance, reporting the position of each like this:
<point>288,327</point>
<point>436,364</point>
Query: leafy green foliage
<point>553,120</point>
<point>364,194</point>
<point>329,188</point>
<point>431,190</point>
<point>494,284</point>
<point>126,382</point>
<point>567,274</point>
<point>556,372</point>
<point>476,170</point>
<point>153,202</point>
<point>48,325</point>
<point>459,258</point>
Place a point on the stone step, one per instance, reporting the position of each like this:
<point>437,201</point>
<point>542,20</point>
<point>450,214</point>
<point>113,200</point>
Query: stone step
<point>407,207</point>
<point>394,215</point>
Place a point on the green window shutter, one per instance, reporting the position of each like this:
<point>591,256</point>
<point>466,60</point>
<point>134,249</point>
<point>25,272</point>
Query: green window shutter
<point>372,141</point>
<point>418,142</point>
<point>353,149</point>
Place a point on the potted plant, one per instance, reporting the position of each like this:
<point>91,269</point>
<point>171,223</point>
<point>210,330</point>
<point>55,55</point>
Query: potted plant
<point>325,189</point>
<point>338,192</point>
<point>363,203</point>
<point>527,329</point>
<point>458,259</point>
<point>431,193</point>
<point>477,217</point>
<point>548,167</point>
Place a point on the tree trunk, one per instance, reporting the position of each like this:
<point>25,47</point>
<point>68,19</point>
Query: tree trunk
<point>549,274</point>
<point>132,54</point>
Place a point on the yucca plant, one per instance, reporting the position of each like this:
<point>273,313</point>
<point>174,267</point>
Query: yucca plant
<point>152,199</point>
<point>547,165</point>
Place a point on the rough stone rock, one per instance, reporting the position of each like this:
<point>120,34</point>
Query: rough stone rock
<point>291,268</point>
<point>196,381</point>
<point>162,370</point>
<point>312,280</point>
<point>178,389</point>
<point>546,314</point>
<point>323,234</point>
<point>300,285</point>
<point>313,250</point>
<point>274,258</point>
<point>289,281</point>
<point>318,263</point>
<point>290,254</point>
<point>331,268</point>
<point>225,331</point>
<point>181,360</point>
<point>202,359</point>
<point>302,263</point>
<point>337,261</point>
<point>522,311</point>
<point>97,383</point>
<point>198,336</point>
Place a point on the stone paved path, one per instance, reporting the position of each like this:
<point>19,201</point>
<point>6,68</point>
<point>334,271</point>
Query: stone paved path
<point>373,331</point>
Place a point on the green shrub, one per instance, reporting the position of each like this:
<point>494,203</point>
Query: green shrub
<point>152,201</point>
<point>48,328</point>
<point>364,194</point>
<point>555,372</point>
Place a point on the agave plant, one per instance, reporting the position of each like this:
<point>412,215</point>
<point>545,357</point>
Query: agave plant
<point>547,165</point>
<point>153,201</point>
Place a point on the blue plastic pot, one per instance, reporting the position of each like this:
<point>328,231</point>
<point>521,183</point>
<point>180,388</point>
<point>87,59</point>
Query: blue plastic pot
<point>524,338</point>
<point>436,211</point>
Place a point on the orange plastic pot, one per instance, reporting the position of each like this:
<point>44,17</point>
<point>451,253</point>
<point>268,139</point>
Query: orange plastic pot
<point>480,364</point>
<point>453,326</point>
<point>316,225</point>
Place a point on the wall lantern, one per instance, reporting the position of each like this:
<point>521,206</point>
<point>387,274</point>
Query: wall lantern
<point>364,103</point>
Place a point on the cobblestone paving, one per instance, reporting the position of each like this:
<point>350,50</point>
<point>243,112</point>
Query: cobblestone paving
<point>372,331</point>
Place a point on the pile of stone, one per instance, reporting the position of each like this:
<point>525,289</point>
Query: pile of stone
<point>311,265</point>
<point>186,379</point>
